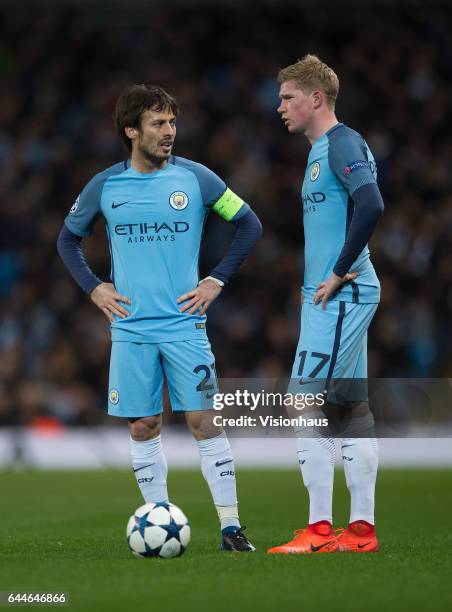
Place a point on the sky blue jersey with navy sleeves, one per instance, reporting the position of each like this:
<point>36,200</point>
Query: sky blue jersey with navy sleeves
<point>339,163</point>
<point>154,225</point>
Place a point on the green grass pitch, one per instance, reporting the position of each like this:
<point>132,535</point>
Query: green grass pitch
<point>65,531</point>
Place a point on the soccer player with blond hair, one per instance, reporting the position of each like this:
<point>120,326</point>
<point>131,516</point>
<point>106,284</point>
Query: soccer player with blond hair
<point>341,206</point>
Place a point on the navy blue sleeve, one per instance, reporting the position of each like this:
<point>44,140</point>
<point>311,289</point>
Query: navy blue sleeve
<point>248,230</point>
<point>70,250</point>
<point>368,207</point>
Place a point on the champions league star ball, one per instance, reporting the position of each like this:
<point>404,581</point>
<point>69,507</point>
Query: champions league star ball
<point>158,530</point>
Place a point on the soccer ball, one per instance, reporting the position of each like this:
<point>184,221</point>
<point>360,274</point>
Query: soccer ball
<point>158,530</point>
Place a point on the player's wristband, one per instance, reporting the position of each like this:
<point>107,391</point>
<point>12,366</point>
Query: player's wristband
<point>217,281</point>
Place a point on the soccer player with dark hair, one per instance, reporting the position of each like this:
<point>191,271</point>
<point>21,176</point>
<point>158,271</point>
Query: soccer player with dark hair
<point>155,206</point>
<point>341,206</point>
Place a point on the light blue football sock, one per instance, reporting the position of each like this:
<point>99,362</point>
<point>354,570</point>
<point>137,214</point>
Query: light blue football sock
<point>150,469</point>
<point>217,466</point>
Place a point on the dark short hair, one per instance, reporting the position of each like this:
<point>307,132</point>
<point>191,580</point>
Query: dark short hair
<point>134,101</point>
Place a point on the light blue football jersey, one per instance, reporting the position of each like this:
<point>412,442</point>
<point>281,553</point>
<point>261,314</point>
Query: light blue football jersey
<point>339,163</point>
<point>154,225</point>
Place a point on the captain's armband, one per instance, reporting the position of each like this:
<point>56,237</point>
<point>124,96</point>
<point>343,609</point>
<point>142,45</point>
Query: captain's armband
<point>228,205</point>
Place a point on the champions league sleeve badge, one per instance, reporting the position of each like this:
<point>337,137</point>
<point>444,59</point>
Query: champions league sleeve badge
<point>74,206</point>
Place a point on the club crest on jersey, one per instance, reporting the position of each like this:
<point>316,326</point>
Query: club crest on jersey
<point>315,171</point>
<point>74,206</point>
<point>178,200</point>
<point>114,396</point>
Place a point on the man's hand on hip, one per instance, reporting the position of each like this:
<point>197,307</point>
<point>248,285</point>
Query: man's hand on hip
<point>326,289</point>
<point>108,300</point>
<point>200,299</point>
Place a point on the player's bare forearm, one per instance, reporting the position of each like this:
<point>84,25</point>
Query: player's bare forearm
<point>200,298</point>
<point>326,289</point>
<point>109,301</point>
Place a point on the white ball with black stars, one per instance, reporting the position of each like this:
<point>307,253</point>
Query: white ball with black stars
<point>158,530</point>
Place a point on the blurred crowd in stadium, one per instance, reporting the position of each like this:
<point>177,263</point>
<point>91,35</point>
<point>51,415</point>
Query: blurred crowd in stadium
<point>62,70</point>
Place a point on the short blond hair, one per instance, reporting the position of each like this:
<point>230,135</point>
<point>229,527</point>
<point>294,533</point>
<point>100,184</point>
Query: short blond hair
<point>309,74</point>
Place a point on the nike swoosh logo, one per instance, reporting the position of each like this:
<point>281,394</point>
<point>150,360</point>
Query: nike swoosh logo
<point>317,548</point>
<point>347,445</point>
<point>142,467</point>
<point>117,205</point>
<point>363,545</point>
<point>218,463</point>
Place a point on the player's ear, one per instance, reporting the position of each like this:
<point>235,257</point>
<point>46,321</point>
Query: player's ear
<point>317,98</point>
<point>131,132</point>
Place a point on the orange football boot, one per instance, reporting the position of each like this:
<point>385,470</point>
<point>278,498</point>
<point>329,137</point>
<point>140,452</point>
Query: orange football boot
<point>359,537</point>
<point>316,538</point>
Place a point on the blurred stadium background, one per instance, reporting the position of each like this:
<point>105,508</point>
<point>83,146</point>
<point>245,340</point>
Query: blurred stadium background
<point>62,67</point>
